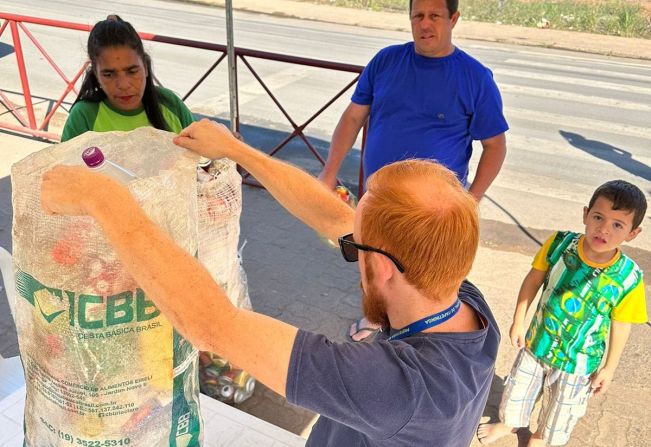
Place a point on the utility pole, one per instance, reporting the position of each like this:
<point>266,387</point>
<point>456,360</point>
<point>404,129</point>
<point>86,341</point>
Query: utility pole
<point>232,68</point>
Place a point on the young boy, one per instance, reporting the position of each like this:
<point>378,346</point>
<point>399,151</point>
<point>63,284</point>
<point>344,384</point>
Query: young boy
<point>590,286</point>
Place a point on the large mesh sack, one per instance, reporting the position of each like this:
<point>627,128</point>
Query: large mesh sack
<point>103,367</point>
<point>219,194</point>
<point>219,200</point>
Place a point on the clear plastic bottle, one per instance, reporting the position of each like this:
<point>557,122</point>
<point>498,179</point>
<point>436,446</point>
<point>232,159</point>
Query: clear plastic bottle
<point>94,159</point>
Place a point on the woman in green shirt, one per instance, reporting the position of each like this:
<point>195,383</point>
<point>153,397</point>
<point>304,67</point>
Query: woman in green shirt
<point>118,91</point>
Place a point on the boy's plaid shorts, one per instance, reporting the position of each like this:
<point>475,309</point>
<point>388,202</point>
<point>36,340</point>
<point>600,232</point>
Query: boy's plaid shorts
<point>565,398</point>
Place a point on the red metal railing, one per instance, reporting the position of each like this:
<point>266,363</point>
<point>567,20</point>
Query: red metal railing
<point>29,125</point>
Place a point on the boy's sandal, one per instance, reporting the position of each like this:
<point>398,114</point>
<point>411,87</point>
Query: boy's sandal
<point>362,333</point>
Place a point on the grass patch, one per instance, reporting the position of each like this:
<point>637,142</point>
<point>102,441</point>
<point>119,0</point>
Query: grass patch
<point>612,17</point>
<point>617,18</point>
<point>373,5</point>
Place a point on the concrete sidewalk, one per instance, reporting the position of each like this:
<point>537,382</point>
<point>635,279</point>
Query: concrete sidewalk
<point>465,29</point>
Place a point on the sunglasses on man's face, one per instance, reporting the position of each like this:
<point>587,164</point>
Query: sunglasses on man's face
<point>350,251</point>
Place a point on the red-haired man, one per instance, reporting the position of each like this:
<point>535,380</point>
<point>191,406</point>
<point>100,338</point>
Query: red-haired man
<point>415,234</point>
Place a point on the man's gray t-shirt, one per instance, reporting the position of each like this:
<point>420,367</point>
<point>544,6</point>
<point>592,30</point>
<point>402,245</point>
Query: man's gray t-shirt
<point>425,390</point>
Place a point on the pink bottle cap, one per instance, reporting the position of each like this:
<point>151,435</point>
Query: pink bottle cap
<point>92,156</point>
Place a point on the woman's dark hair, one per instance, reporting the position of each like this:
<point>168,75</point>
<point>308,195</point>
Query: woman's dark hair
<point>115,32</point>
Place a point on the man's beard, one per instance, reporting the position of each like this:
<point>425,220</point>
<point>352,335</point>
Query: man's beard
<point>373,303</point>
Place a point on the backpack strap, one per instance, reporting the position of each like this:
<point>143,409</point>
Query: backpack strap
<point>562,240</point>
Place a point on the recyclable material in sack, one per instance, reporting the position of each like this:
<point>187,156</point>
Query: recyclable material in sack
<point>219,202</point>
<point>219,194</point>
<point>102,365</point>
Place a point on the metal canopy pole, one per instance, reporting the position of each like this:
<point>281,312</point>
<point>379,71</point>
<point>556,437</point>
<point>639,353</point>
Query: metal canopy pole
<point>232,71</point>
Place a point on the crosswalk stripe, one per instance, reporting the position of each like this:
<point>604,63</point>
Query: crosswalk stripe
<point>523,178</point>
<point>250,90</point>
<point>584,70</point>
<point>574,122</point>
<point>572,81</point>
<point>556,55</point>
<point>558,147</point>
<point>575,97</point>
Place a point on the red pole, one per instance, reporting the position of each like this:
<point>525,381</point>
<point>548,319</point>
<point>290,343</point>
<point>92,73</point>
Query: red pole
<point>20,59</point>
<point>71,85</point>
<point>36,133</point>
<point>2,28</point>
<point>10,105</point>
<point>44,53</point>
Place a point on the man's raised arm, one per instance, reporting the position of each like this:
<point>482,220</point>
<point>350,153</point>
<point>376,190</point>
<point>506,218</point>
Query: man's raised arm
<point>181,287</point>
<point>300,193</point>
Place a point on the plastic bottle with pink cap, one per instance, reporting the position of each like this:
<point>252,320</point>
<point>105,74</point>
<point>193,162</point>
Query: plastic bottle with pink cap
<point>94,159</point>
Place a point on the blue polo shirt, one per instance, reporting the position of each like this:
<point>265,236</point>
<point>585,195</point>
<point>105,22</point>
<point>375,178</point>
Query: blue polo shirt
<point>428,389</point>
<point>423,107</point>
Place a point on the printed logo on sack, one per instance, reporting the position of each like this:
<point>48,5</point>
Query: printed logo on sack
<point>83,309</point>
<point>183,437</point>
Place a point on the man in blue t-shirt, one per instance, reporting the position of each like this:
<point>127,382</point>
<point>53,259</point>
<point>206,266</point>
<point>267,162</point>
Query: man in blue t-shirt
<point>425,99</point>
<point>415,234</point>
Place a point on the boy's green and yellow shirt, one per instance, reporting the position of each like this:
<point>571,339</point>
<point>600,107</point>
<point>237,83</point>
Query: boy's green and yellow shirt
<point>579,299</point>
<point>102,117</point>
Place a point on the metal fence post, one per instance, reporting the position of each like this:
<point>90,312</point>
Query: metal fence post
<point>232,69</point>
<point>22,70</point>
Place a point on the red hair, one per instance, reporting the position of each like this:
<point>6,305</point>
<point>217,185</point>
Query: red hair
<point>418,211</point>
